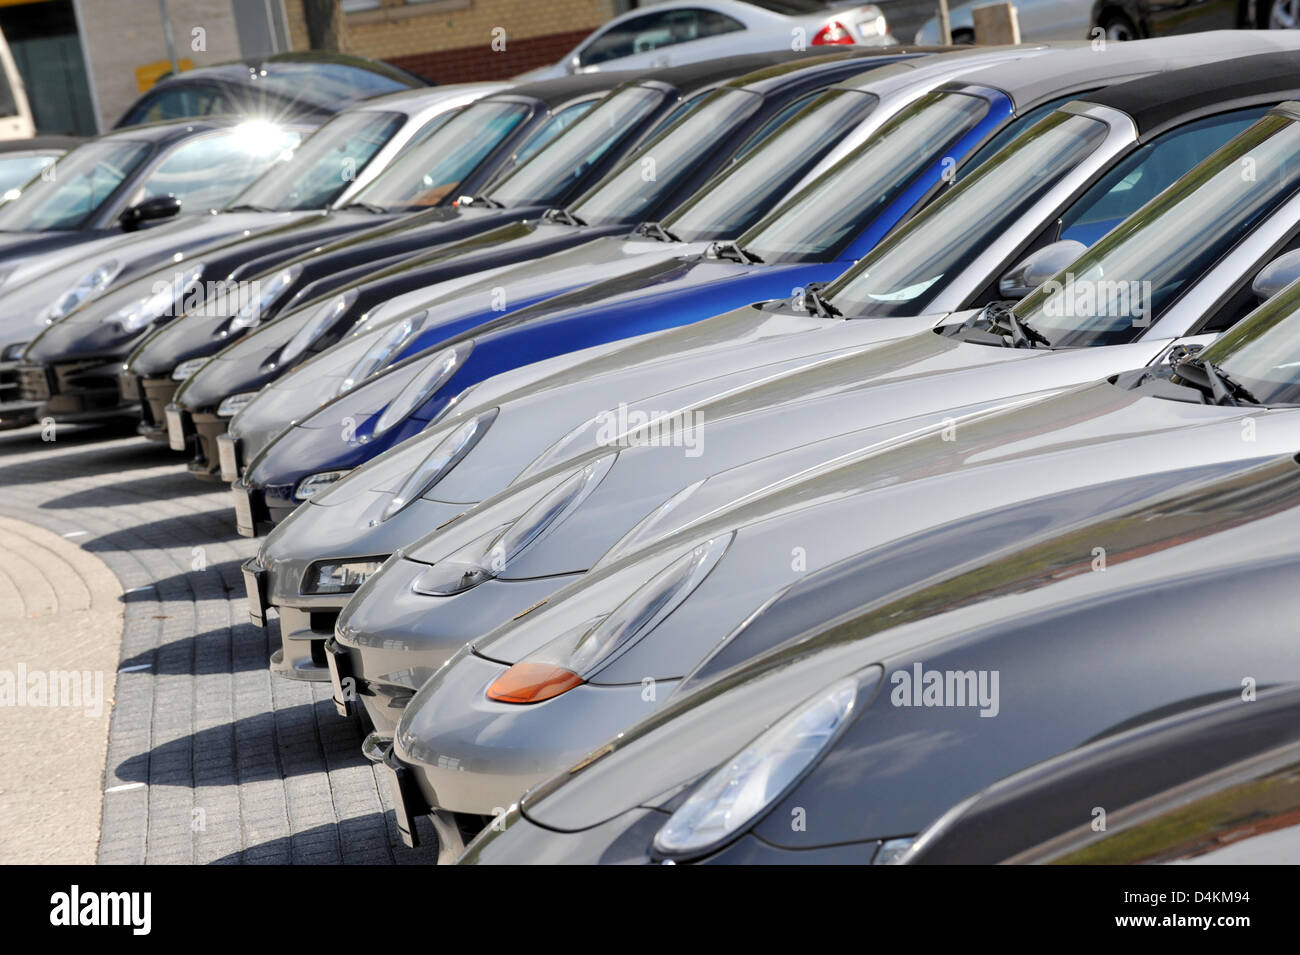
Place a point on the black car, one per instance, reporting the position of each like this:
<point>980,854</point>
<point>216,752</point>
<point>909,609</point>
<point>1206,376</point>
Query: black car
<point>367,273</point>
<point>309,85</point>
<point>73,366</point>
<point>130,180</point>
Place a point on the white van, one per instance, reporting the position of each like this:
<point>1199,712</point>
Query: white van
<point>15,113</point>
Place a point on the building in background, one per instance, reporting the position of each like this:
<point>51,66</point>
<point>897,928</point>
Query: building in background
<point>449,41</point>
<point>84,61</point>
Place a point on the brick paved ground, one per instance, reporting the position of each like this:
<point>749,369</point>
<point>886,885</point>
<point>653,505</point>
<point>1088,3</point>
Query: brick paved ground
<point>210,758</point>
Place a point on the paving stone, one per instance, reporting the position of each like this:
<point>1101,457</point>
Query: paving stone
<point>237,766</point>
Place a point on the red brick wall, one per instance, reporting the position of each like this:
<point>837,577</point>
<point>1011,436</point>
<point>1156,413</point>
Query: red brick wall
<point>481,62</point>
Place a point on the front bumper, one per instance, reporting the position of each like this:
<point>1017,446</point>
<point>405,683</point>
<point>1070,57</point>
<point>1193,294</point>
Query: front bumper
<point>14,411</point>
<point>78,389</point>
<point>471,754</point>
<point>199,433</point>
<point>256,511</point>
<point>627,840</point>
<point>154,394</point>
<point>382,703</point>
<point>517,840</point>
<point>303,629</point>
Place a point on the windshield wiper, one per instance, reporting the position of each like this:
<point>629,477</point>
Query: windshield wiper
<point>654,230</point>
<point>368,207</point>
<point>248,207</point>
<point>1217,383</point>
<point>1000,317</point>
<point>487,201</point>
<point>563,216</point>
<point>817,305</point>
<point>732,250</point>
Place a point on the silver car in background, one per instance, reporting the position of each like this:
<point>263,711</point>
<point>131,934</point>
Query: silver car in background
<point>674,32</point>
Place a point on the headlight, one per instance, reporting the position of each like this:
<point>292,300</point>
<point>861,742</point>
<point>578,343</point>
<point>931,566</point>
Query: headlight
<point>231,405</point>
<point>321,319</point>
<point>315,483</point>
<point>489,556</point>
<point>572,658</point>
<point>187,368</point>
<point>267,294</point>
<point>163,299</point>
<point>13,351</point>
<point>445,455</point>
<point>759,775</point>
<point>382,350</point>
<point>339,577</point>
<point>429,379</point>
<point>88,286</point>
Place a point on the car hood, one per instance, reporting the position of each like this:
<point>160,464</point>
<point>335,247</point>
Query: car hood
<point>463,285</point>
<point>880,493</point>
<point>1032,612</point>
<point>84,331</point>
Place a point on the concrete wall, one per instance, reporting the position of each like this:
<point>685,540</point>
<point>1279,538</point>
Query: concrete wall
<point>122,36</point>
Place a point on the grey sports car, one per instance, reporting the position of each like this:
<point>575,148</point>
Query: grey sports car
<point>884,690</point>
<point>320,555</point>
<point>655,604</point>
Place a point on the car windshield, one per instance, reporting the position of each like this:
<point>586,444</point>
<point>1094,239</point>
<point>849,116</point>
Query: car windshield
<point>654,168</point>
<point>567,158</point>
<point>825,216</point>
<point>903,274</point>
<point>1262,353</point>
<point>429,170</point>
<point>207,171</point>
<point>77,186</point>
<point>1112,292</point>
<point>733,201</point>
<point>313,175</point>
<point>19,169</point>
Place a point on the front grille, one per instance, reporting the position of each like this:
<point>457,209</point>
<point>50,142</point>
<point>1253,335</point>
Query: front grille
<point>34,382</point>
<point>10,385</point>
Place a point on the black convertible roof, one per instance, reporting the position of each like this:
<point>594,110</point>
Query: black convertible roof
<point>1156,101</point>
<point>1033,80</point>
<point>687,78</point>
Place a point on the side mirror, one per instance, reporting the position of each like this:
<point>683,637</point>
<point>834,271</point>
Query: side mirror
<point>149,210</point>
<point>1037,267</point>
<point>1277,275</point>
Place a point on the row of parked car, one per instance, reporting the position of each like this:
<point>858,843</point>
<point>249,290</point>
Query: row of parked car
<point>677,467</point>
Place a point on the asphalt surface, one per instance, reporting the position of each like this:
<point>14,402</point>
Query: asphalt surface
<point>209,757</point>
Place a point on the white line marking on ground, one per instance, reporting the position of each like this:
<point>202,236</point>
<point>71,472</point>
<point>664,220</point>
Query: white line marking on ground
<point>124,787</point>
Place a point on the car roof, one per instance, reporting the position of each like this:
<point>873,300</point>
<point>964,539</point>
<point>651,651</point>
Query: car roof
<point>908,71</point>
<point>1155,102</point>
<point>686,78</point>
<point>768,77</point>
<point>1029,81</point>
<point>412,101</point>
<point>555,92</point>
<point>241,72</point>
<point>49,142</point>
<point>690,77</point>
<point>174,129</point>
